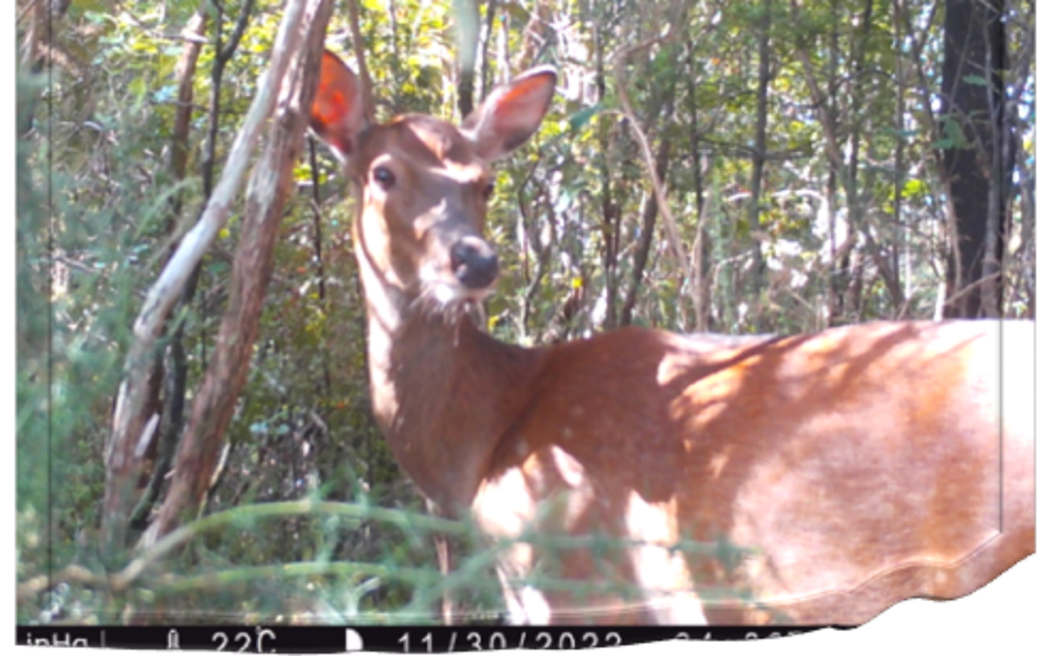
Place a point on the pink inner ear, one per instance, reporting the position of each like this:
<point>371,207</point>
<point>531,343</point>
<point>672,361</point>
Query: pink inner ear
<point>511,115</point>
<point>526,88</point>
<point>334,102</point>
<point>525,98</point>
<point>331,102</point>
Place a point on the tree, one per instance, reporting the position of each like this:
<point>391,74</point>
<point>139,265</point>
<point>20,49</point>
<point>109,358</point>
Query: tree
<point>978,156</point>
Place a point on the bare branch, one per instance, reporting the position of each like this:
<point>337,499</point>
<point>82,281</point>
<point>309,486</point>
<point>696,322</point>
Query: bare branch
<point>122,468</point>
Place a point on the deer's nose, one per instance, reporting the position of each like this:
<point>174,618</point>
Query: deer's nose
<point>474,262</point>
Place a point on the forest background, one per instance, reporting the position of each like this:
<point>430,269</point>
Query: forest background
<point>730,167</point>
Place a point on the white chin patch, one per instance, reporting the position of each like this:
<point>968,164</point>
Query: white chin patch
<point>447,294</point>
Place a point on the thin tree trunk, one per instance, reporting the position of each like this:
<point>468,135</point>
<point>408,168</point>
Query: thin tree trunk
<point>268,190</point>
<point>758,157</point>
<point>645,240</point>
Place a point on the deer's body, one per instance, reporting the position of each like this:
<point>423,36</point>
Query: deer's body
<point>855,467</point>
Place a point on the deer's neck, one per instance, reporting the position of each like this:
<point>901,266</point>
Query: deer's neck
<point>444,394</point>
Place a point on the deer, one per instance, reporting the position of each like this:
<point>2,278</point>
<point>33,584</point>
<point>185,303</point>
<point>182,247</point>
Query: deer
<point>812,479</point>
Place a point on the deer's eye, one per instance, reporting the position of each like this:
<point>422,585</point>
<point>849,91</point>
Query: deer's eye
<point>384,177</point>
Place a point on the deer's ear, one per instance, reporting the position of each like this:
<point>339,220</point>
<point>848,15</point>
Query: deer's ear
<point>337,115</point>
<point>511,114</point>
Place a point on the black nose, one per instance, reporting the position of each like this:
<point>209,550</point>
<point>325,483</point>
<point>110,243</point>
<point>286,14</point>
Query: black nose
<point>474,262</point>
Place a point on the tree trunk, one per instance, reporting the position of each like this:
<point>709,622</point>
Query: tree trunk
<point>974,56</point>
<point>758,158</point>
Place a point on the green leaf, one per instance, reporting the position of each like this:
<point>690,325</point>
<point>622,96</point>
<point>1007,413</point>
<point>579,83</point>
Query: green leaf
<point>912,188</point>
<point>954,132</point>
<point>137,87</point>
<point>978,80</point>
<point>953,136</point>
<point>582,117</point>
<point>518,11</point>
